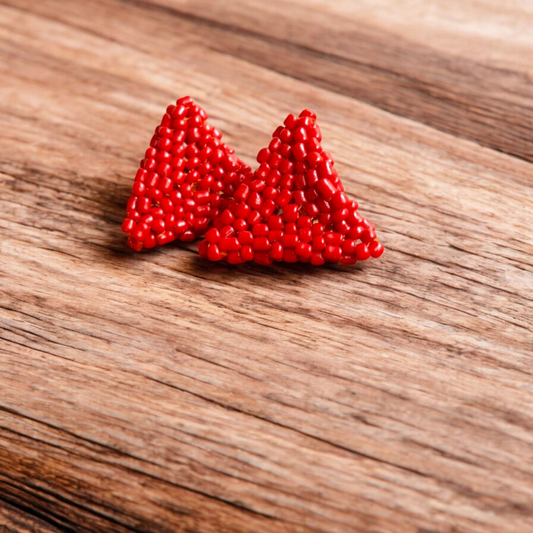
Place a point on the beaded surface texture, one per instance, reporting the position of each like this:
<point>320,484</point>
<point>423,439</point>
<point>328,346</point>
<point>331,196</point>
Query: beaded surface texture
<point>293,208</point>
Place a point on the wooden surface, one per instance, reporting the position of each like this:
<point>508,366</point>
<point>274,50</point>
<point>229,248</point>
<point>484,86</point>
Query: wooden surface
<point>160,393</point>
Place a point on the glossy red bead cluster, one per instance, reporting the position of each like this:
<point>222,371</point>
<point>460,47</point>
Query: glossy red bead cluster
<point>292,208</point>
<point>183,181</point>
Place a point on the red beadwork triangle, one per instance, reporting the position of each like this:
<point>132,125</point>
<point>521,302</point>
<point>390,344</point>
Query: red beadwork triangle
<point>293,208</point>
<point>184,180</point>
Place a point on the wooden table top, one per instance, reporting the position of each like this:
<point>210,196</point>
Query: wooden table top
<point>158,392</point>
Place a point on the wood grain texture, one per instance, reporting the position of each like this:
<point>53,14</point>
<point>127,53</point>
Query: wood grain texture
<point>159,393</point>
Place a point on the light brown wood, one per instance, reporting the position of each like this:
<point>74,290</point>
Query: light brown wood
<point>158,392</point>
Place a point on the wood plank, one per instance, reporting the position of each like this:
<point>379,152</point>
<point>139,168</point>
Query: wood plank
<point>13,520</point>
<point>157,392</point>
<point>461,67</point>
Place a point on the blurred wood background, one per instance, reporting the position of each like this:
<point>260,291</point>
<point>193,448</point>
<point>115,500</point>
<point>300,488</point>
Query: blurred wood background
<point>158,392</point>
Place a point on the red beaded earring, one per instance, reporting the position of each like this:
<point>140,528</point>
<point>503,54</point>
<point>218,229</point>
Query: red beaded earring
<point>293,208</point>
<point>183,182</point>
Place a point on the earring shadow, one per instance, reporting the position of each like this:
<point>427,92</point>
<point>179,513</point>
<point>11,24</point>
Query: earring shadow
<point>112,196</point>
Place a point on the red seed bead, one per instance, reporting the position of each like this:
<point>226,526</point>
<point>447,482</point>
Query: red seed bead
<point>299,152</point>
<point>355,219</point>
<point>299,197</point>
<point>274,145</point>
<point>355,233</point>
<point>202,210</point>
<point>311,210</point>
<point>332,253</point>
<point>349,259</point>
<point>287,181</point>
<point>376,249</point>
<point>312,194</point>
<point>270,192</point>
<point>263,155</point>
<point>158,225</point>
<point>289,240</point>
<point>143,205</point>
<point>262,258</point>
<point>245,237</point>
<point>242,192</point>
<point>132,202</point>
<point>325,219</point>
<point>240,224</point>
<point>317,259</point>
<point>276,252</point>
<point>201,197</point>
<point>304,222</point>
<point>268,207</point>
<point>273,178</point>
<point>334,238</point>
<point>261,244</point>
<point>150,241</point>
<point>187,236</point>
<point>308,113</point>
<point>348,247</point>
<point>368,235</point>
<point>275,222</point>
<point>180,227</point>
<point>203,248</point>
<point>285,150</point>
<point>289,256</point>
<point>299,135</point>
<point>141,174</point>
<point>275,235</point>
<point>213,253</point>
<point>242,210</point>
<point>136,245</point>
<point>230,163</point>
<point>290,213</point>
<point>226,231</point>
<point>212,236</point>
<point>147,219</point>
<point>290,122</point>
<point>314,159</point>
<point>286,167</point>
<point>128,225</point>
<point>317,229</point>
<point>247,253</point>
<point>255,200</point>
<point>339,215</point>
<point>362,252</point>
<point>138,189</point>
<point>283,198</point>
<point>260,230</point>
<point>305,235</point>
<point>318,243</point>
<point>155,195</point>
<point>291,228</point>
<point>166,237</point>
<point>339,200</point>
<point>234,258</point>
<point>229,244</point>
<point>254,217</point>
<point>304,250</point>
<point>326,188</point>
<point>277,131</point>
<point>274,160</point>
<point>227,217</point>
<point>341,227</point>
<point>257,185</point>
<point>323,205</point>
<point>200,225</point>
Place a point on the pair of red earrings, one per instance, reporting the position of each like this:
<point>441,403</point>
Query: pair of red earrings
<point>292,208</point>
